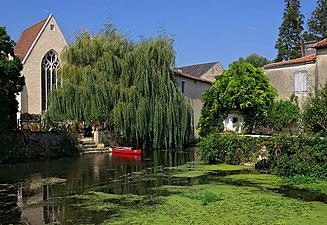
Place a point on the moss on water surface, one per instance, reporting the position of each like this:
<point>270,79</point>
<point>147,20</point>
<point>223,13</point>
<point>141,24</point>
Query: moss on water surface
<point>255,202</point>
<point>200,169</point>
<point>224,204</point>
<point>273,181</point>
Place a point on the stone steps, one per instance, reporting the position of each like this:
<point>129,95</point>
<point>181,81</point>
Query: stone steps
<point>89,147</point>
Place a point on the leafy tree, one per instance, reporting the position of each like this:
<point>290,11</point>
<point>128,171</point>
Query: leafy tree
<point>318,22</point>
<point>129,85</point>
<point>255,60</point>
<point>315,112</point>
<point>283,113</point>
<point>290,31</point>
<point>242,88</point>
<point>11,81</point>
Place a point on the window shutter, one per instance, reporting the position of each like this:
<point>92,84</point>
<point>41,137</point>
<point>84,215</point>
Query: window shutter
<point>301,82</point>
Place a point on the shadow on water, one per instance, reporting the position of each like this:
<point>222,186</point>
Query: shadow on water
<point>32,193</point>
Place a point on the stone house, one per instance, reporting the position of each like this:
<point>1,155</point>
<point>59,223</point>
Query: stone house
<point>39,48</point>
<point>193,81</point>
<point>300,76</point>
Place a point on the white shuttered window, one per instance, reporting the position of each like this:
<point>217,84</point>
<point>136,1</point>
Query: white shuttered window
<point>301,81</point>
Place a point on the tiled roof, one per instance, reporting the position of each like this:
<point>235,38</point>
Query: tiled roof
<point>27,38</point>
<point>321,44</point>
<point>182,74</point>
<point>197,70</point>
<point>306,59</point>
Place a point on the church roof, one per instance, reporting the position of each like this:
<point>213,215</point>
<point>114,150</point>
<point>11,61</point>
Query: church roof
<point>28,38</point>
<point>197,70</point>
<point>306,59</point>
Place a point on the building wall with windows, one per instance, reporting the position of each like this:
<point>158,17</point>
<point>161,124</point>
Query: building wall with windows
<point>39,47</point>
<point>300,76</point>
<point>299,79</point>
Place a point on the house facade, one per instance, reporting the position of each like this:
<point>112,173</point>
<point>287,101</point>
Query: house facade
<point>300,76</point>
<point>193,81</point>
<point>39,48</point>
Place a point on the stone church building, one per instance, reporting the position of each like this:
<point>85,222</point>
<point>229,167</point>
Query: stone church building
<point>39,48</point>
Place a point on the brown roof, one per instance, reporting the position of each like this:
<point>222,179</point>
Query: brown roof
<point>321,44</point>
<point>178,73</point>
<point>27,38</point>
<point>306,59</point>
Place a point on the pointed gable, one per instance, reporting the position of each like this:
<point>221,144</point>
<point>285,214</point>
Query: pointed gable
<point>27,39</point>
<point>198,70</point>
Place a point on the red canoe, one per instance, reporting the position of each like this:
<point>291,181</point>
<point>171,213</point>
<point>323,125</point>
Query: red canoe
<point>126,150</point>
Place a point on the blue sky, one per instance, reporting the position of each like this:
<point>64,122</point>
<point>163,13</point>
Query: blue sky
<point>204,30</point>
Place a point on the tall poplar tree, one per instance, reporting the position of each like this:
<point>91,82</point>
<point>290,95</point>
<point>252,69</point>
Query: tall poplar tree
<point>318,22</point>
<point>290,32</point>
<point>128,84</point>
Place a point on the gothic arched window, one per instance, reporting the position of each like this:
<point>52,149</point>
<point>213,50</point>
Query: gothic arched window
<point>49,75</point>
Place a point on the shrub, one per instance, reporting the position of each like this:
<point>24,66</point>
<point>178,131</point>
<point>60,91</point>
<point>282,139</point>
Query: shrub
<point>229,148</point>
<point>315,113</point>
<point>298,155</point>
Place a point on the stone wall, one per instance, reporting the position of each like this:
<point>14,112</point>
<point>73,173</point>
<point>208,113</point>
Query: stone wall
<point>30,146</point>
<point>216,70</point>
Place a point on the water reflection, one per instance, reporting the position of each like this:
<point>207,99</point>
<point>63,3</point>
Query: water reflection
<point>24,199</point>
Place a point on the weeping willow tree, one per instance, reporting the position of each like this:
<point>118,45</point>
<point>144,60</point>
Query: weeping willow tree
<point>130,85</point>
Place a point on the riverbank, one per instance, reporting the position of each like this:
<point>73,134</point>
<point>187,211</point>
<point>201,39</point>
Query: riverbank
<point>33,146</point>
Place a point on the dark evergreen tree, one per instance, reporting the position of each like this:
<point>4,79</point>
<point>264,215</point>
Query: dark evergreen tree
<point>11,81</point>
<point>317,24</point>
<point>290,32</point>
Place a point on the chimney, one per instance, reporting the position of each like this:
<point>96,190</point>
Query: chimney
<point>309,48</point>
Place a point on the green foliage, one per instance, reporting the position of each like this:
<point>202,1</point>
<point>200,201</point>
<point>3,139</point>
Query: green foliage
<point>255,60</point>
<point>314,112</point>
<point>290,31</point>
<point>283,113</point>
<point>298,155</point>
<point>68,146</point>
<point>242,88</point>
<point>11,81</point>
<point>318,22</point>
<point>129,85</point>
<point>229,148</point>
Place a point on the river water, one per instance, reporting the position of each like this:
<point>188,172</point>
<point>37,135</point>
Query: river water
<point>30,193</point>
